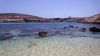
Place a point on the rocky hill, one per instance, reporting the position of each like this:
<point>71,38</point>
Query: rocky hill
<point>93,19</point>
<point>17,17</point>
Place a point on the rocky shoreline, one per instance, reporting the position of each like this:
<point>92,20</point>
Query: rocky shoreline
<point>17,17</point>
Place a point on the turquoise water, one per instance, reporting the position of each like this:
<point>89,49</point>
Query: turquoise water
<point>59,42</point>
<point>31,28</point>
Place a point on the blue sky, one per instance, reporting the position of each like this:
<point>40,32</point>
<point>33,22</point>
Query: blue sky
<point>51,8</point>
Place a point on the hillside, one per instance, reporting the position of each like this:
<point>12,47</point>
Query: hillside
<point>17,17</point>
<point>94,19</point>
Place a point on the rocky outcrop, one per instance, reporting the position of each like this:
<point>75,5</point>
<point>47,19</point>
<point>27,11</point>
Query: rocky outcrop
<point>92,19</point>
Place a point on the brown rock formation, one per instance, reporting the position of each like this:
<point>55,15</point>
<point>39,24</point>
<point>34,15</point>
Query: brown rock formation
<point>93,19</point>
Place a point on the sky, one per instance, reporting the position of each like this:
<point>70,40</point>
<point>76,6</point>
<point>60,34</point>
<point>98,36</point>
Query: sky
<point>51,8</point>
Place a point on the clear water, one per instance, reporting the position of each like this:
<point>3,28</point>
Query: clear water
<point>71,42</point>
<point>51,27</point>
<point>46,24</point>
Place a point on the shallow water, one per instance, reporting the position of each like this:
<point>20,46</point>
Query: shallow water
<point>51,46</point>
<point>71,42</point>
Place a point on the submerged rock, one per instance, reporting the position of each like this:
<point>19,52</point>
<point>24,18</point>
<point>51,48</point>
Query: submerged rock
<point>43,34</point>
<point>66,28</point>
<point>5,36</point>
<point>83,29</point>
<point>76,27</point>
<point>71,26</point>
<point>94,29</point>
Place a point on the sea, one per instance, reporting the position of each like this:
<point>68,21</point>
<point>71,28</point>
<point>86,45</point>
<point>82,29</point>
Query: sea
<point>63,39</point>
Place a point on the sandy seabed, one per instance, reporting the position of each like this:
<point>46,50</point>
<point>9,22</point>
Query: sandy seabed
<point>51,46</point>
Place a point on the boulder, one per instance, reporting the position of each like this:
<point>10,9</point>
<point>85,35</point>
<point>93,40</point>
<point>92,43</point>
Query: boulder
<point>94,29</point>
<point>43,34</point>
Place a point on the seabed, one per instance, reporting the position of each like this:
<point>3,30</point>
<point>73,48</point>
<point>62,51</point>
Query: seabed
<point>59,45</point>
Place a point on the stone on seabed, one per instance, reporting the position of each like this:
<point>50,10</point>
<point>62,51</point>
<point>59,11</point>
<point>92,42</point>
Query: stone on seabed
<point>43,34</point>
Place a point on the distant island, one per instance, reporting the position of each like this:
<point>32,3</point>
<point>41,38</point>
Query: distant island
<point>17,17</point>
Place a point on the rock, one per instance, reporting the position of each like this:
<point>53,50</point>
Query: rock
<point>5,36</point>
<point>57,32</point>
<point>90,46</point>
<point>71,26</point>
<point>83,29</point>
<point>43,34</point>
<point>94,29</point>
<point>66,28</point>
<point>76,27</point>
